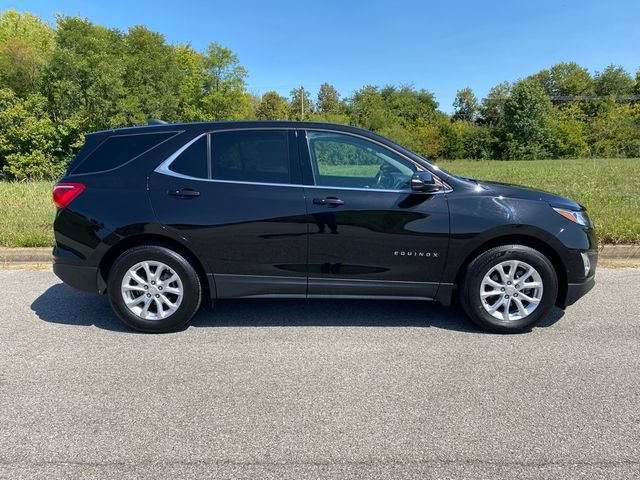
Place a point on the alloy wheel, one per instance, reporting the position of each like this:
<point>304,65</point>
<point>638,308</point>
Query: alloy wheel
<point>152,290</point>
<point>511,290</point>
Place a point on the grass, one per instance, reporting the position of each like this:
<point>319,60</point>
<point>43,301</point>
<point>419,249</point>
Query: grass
<point>26,214</point>
<point>609,188</point>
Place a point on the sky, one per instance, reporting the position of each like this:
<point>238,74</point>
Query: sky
<point>439,46</point>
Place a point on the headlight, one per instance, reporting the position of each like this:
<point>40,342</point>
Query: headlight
<point>576,216</point>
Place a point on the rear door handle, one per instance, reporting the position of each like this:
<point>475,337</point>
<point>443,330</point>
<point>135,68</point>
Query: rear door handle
<point>185,192</point>
<point>328,201</point>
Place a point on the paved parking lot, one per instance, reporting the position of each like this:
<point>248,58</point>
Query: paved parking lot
<point>319,389</point>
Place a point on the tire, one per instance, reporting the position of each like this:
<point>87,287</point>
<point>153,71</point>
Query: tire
<point>172,300</point>
<point>488,273</point>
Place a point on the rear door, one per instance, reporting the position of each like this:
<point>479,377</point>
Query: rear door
<point>369,234</point>
<point>237,197</point>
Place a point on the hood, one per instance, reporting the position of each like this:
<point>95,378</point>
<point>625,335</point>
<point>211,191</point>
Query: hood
<point>514,191</point>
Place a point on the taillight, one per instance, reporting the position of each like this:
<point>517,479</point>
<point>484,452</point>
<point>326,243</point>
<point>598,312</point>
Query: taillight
<point>64,193</point>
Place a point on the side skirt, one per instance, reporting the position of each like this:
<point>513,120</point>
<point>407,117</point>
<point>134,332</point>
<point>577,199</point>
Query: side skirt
<point>251,286</point>
<point>262,286</point>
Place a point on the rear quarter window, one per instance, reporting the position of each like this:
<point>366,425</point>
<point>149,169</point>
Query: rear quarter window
<point>193,162</point>
<point>117,150</point>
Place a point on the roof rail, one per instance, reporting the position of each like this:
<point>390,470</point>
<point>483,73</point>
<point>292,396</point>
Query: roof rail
<point>156,121</point>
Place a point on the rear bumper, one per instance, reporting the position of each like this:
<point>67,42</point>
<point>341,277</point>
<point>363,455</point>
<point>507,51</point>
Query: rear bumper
<point>575,291</point>
<point>87,279</point>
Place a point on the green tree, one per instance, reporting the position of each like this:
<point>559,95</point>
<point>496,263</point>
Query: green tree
<point>566,79</point>
<point>477,141</point>
<point>84,78</point>
<point>328,99</point>
<point>408,104</point>
<point>151,78</point>
<point>192,78</point>
<point>492,107</point>
<point>491,116</point>
<point>568,133</point>
<point>614,80</point>
<point>432,136</point>
<point>465,105</point>
<point>272,107</point>
<point>25,46</point>
<point>300,105</point>
<point>367,109</point>
<point>407,137</point>
<point>616,131</point>
<point>527,117</point>
<point>29,141</point>
<point>224,84</point>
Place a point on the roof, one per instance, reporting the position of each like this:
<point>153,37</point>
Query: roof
<point>235,124</point>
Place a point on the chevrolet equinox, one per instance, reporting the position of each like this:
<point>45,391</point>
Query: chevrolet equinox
<point>164,216</point>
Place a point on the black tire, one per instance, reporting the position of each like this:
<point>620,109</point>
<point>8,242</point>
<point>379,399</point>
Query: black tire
<point>471,283</point>
<point>192,290</point>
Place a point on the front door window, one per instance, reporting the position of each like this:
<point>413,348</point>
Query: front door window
<point>347,161</point>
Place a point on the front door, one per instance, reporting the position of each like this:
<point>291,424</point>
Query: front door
<point>236,197</point>
<point>369,234</point>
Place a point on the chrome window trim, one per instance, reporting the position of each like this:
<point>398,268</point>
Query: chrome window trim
<point>164,166</point>
<point>164,169</point>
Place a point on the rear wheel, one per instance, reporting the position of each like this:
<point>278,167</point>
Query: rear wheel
<point>154,289</point>
<point>509,289</point>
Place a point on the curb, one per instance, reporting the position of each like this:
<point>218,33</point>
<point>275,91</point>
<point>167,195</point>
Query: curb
<point>43,254</point>
<point>619,252</point>
<point>25,255</point>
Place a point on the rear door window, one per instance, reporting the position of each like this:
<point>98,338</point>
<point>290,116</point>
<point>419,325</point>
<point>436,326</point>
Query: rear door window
<point>260,156</point>
<point>117,150</point>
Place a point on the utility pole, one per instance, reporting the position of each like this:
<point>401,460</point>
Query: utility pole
<point>302,102</point>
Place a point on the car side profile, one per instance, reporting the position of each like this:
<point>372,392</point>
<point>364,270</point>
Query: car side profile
<point>167,216</point>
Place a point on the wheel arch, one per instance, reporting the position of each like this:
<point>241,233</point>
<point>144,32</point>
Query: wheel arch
<point>117,249</point>
<point>529,241</point>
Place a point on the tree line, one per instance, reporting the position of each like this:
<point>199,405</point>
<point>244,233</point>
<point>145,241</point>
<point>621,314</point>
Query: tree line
<point>59,82</point>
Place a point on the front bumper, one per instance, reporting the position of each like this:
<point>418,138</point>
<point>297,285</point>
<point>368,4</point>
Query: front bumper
<point>575,291</point>
<point>87,279</point>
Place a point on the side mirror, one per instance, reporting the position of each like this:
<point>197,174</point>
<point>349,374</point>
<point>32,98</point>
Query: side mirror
<point>424,182</point>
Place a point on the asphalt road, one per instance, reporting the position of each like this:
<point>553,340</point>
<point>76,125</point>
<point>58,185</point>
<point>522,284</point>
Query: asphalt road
<point>320,389</point>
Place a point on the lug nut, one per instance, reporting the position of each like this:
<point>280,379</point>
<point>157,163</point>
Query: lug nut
<point>515,294</point>
<point>508,283</point>
<point>159,288</point>
<point>152,282</point>
<point>506,296</point>
<point>157,296</point>
<point>146,287</point>
<point>148,295</point>
<point>502,289</point>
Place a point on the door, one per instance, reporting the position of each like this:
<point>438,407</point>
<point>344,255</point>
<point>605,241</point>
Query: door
<point>236,197</point>
<point>369,234</point>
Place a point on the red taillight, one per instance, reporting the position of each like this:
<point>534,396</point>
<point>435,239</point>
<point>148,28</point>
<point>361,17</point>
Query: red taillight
<point>64,193</point>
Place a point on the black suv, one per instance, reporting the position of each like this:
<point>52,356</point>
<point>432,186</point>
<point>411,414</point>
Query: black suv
<point>163,216</point>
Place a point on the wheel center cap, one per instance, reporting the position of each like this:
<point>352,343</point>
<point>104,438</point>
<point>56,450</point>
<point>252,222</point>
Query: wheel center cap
<point>510,290</point>
<point>153,290</point>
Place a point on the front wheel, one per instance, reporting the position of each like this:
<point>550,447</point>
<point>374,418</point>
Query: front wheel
<point>154,289</point>
<point>509,289</point>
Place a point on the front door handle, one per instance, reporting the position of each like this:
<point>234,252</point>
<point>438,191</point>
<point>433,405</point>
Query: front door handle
<point>328,201</point>
<point>185,192</point>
